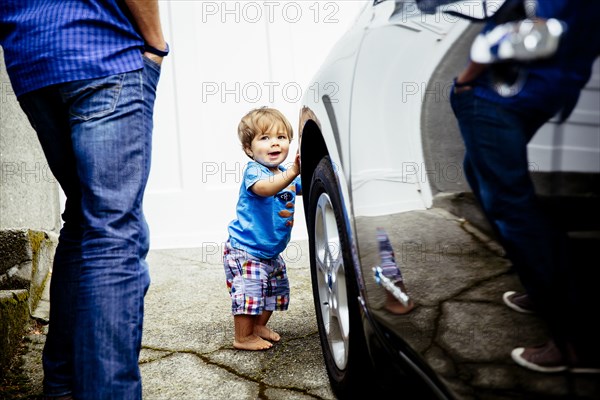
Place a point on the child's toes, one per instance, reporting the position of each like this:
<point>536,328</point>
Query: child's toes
<point>266,333</point>
<point>252,343</point>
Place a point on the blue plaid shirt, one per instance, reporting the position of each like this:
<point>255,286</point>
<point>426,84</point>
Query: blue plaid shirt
<point>47,42</point>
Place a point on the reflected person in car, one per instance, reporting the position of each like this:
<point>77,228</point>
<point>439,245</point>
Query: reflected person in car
<point>496,126</point>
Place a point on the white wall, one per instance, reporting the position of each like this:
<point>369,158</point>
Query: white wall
<point>227,58</point>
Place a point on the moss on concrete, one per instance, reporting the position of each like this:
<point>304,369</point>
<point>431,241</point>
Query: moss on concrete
<point>14,314</point>
<point>24,378</point>
<point>32,251</point>
<point>37,240</point>
<point>14,247</point>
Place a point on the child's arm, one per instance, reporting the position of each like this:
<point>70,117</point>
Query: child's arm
<point>275,184</point>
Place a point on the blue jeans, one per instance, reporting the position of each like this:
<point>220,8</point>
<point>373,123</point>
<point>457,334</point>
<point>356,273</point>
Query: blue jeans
<point>96,135</point>
<point>497,169</point>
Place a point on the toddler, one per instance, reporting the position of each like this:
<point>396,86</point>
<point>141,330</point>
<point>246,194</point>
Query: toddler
<point>255,271</point>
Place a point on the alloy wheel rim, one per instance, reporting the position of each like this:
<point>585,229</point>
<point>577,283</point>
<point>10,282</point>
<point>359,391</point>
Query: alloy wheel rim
<point>331,282</point>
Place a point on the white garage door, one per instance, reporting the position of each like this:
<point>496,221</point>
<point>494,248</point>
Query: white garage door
<point>227,58</point>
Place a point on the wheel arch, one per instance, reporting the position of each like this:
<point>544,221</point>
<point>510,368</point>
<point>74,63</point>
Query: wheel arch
<point>312,150</point>
<point>313,147</point>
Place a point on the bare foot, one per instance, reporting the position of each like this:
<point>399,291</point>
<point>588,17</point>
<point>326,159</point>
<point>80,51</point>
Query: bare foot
<point>396,307</point>
<point>266,333</point>
<point>252,342</point>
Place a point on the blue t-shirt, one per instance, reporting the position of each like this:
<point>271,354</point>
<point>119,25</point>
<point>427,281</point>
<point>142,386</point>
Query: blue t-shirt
<point>555,83</point>
<point>47,42</point>
<point>264,224</point>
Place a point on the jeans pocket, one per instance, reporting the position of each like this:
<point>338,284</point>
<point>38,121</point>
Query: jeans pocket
<point>93,98</point>
<point>156,66</point>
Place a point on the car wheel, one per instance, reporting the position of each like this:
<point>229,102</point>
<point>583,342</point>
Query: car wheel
<point>334,284</point>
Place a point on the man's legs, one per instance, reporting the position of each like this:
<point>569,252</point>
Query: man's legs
<point>110,123</point>
<point>497,169</point>
<point>49,117</point>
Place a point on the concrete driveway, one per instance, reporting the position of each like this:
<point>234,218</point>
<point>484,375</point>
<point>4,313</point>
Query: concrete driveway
<point>187,350</point>
<point>187,346</point>
<point>188,354</point>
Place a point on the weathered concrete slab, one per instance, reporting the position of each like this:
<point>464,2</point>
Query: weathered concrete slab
<point>15,250</point>
<point>29,206</point>
<point>468,329</point>
<point>14,314</point>
<point>26,258</point>
<point>186,376</point>
<point>189,326</point>
<point>187,351</point>
<point>298,364</point>
<point>28,190</point>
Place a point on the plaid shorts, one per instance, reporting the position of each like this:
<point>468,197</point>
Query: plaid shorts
<point>255,284</point>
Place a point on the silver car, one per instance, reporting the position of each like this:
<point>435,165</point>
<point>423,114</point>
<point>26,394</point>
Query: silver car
<point>381,159</point>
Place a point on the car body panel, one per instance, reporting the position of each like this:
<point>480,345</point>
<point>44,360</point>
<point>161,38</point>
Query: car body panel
<point>386,108</point>
<point>575,145</point>
<point>397,155</point>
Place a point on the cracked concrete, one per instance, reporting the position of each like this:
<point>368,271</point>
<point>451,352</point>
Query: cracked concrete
<point>188,332</point>
<point>460,325</point>
<point>187,350</point>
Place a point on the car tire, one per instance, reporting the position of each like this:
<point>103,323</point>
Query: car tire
<point>335,288</point>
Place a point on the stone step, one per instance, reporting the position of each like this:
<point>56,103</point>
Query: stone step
<point>14,314</point>
<point>25,263</point>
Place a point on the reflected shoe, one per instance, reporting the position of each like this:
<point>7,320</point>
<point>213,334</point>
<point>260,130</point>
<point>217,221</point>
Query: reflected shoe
<point>548,358</point>
<point>519,302</point>
<point>545,358</point>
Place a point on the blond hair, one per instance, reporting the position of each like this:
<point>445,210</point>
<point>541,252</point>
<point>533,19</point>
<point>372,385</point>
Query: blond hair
<point>261,120</point>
